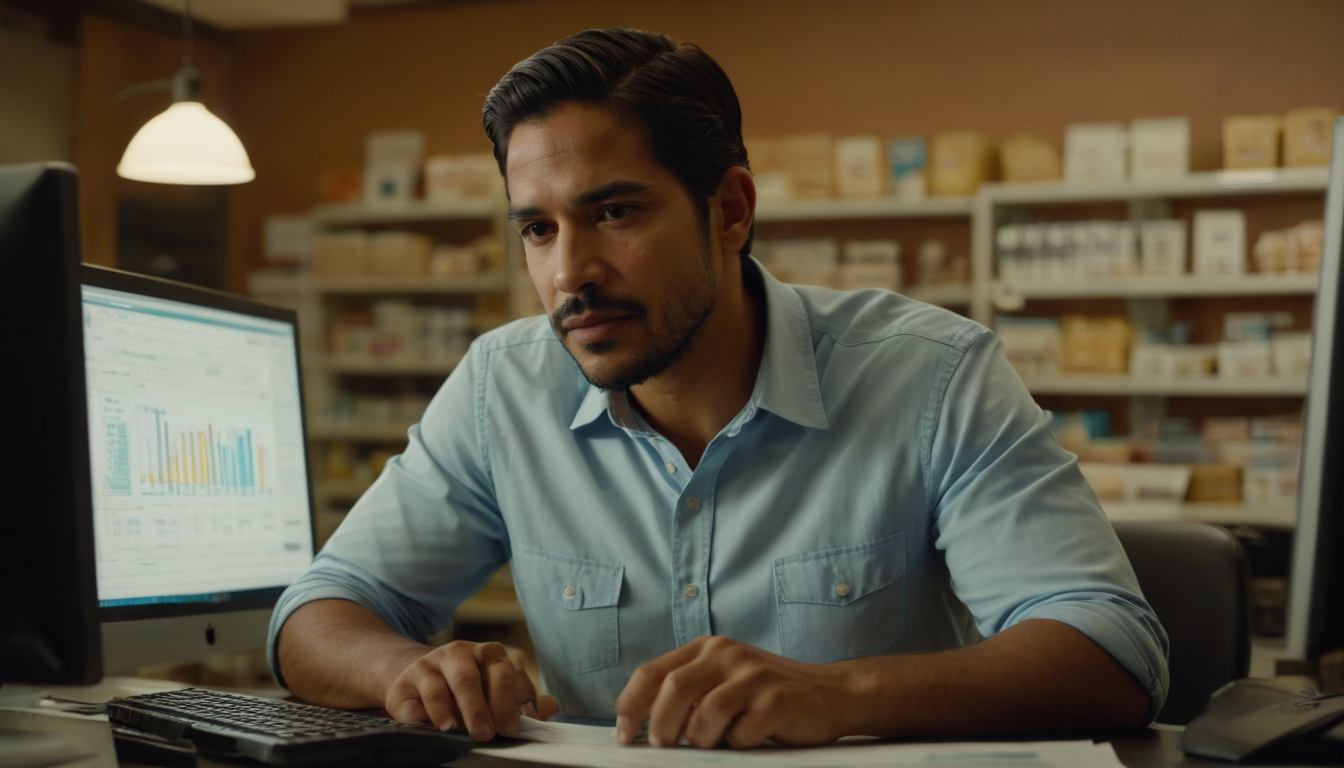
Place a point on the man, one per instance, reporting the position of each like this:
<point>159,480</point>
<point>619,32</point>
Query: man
<point>735,510</point>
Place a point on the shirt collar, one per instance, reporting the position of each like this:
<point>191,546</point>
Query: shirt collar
<point>786,383</point>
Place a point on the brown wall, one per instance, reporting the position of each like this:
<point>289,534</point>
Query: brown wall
<point>304,98</point>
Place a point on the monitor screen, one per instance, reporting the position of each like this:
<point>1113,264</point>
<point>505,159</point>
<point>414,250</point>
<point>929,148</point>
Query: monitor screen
<point>196,448</point>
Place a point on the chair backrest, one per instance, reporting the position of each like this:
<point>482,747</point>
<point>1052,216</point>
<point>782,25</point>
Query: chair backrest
<point>1196,579</point>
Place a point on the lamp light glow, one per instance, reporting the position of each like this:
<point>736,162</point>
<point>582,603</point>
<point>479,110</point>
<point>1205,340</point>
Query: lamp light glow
<point>186,144</point>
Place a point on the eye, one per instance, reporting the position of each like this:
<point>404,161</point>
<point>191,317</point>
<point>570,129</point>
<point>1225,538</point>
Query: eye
<point>616,212</point>
<point>536,230</point>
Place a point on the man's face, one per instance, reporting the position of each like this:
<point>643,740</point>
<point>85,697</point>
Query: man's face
<point>613,243</point>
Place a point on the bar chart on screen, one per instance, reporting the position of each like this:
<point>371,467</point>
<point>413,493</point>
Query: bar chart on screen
<point>191,483</point>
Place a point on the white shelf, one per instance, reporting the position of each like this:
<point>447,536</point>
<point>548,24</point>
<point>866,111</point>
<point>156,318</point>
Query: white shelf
<point>355,214</point>
<point>368,365</point>
<point>359,431</point>
<point>418,284</point>
<point>1268,516</point>
<point>869,208</point>
<point>951,295</point>
<point>1206,184</point>
<point>1182,285</point>
<point>1274,386</point>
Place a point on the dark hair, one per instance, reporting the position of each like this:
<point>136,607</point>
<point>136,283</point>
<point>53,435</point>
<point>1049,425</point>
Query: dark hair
<point>679,95</point>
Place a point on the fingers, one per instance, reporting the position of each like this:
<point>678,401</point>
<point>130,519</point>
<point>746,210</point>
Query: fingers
<point>464,686</point>
<point>677,696</point>
<point>507,688</point>
<point>547,707</point>
<point>636,700</point>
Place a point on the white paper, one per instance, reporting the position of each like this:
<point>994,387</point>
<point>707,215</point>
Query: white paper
<point>584,745</point>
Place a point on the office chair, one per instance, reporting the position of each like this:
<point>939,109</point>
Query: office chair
<point>1196,578</point>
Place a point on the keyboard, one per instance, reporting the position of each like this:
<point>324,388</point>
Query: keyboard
<point>281,732</point>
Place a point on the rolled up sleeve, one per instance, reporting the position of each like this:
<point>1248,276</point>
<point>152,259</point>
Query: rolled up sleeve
<point>425,536</point>
<point>1023,534</point>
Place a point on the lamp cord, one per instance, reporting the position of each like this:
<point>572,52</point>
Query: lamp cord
<point>188,40</point>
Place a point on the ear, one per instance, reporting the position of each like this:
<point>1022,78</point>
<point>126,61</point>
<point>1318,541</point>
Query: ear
<point>736,200</point>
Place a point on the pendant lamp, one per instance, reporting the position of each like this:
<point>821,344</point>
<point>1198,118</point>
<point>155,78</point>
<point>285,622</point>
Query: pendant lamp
<point>186,144</point>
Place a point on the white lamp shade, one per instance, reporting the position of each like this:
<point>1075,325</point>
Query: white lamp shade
<point>186,144</point>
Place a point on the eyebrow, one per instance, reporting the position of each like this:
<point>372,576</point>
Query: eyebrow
<point>614,189</point>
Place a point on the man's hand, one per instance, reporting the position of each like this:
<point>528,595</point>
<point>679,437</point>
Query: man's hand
<point>471,686</point>
<point>714,689</point>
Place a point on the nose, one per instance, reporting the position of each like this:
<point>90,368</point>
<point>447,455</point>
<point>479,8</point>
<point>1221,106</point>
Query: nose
<point>579,263</point>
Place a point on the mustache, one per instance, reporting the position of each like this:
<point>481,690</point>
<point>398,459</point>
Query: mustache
<point>593,301</point>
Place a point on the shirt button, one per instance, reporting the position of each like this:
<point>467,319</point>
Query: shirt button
<point>842,589</point>
<point>671,468</point>
<point>569,591</point>
<point>691,590</point>
<point>694,504</point>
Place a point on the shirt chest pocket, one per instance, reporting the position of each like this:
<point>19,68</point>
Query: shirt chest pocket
<point>571,607</point>
<point>842,603</point>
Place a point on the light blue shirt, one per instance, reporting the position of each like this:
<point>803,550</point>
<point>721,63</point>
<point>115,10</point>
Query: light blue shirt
<point>890,487</point>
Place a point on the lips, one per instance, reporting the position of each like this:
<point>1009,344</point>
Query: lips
<point>594,327</point>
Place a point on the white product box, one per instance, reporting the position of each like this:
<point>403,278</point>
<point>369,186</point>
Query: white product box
<point>1125,261</point>
<point>1268,484</point>
<point>1162,247</point>
<point>1190,361</point>
<point>1291,353</point>
<point>452,178</point>
<point>1244,359</point>
<point>289,238</point>
<point>908,158</point>
<point>391,166</point>
<point>876,251</point>
<point>1095,152</point>
<point>1220,242</point>
<point>1030,344</point>
<point>860,167</point>
<point>1161,148</point>
<point>870,274</point>
<point>805,260</point>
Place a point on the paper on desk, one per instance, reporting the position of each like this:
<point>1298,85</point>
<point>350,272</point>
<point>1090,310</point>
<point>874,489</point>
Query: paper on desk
<point>586,745</point>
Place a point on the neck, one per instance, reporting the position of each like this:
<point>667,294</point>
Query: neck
<point>694,400</point>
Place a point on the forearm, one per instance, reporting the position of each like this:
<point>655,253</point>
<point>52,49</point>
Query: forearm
<point>1037,675</point>
<point>339,654</point>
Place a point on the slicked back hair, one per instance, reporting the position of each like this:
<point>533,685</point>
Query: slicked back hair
<point>676,93</point>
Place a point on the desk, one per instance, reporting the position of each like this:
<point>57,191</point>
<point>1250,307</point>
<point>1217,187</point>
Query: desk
<point>1138,748</point>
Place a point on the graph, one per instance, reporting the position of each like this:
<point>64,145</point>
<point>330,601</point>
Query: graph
<point>182,456</point>
<point>117,444</point>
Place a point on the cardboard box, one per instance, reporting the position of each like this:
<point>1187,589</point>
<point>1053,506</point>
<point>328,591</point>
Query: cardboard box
<point>402,254</point>
<point>453,178</point>
<point>1251,141</point>
<point>962,161</point>
<point>1095,344</point>
<point>1307,135</point>
<point>1304,246</point>
<point>1096,152</point>
<point>1291,353</point>
<point>392,166</point>
<point>860,167</point>
<point>340,254</point>
<point>1162,247</point>
<point>1030,158</point>
<point>1220,242</point>
<point>908,161</point>
<point>772,181</point>
<point>1161,148</point>
<point>1217,483</point>
<point>808,161</point>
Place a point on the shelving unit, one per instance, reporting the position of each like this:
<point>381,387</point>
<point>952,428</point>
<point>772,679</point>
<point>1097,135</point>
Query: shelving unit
<point>1147,397</point>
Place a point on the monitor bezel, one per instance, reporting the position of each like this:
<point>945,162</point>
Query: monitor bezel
<point>171,290</point>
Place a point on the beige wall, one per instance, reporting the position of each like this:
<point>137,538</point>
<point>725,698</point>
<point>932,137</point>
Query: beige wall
<point>303,99</point>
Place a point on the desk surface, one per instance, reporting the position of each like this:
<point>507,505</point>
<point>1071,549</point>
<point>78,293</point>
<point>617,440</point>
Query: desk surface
<point>1141,748</point>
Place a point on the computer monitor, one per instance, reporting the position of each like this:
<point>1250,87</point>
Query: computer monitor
<point>1316,581</point>
<point>201,506</point>
<point>48,625</point>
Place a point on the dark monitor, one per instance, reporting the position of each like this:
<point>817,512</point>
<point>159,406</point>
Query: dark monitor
<point>201,505</point>
<point>1316,583</point>
<point>48,621</point>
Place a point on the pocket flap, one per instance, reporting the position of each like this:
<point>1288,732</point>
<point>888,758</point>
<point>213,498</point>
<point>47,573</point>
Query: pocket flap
<point>567,581</point>
<point>840,576</point>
